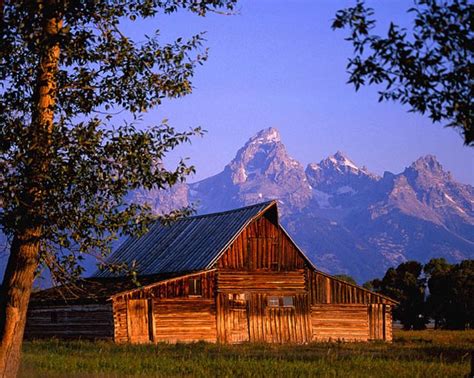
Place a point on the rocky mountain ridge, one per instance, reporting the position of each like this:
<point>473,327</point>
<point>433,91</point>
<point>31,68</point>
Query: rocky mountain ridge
<point>347,219</point>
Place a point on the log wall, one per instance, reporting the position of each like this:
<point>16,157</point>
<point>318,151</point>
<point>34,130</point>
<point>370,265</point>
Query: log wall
<point>186,320</point>
<point>346,305</point>
<point>93,321</point>
<point>174,314</point>
<point>260,281</point>
<point>120,320</point>
<point>345,322</point>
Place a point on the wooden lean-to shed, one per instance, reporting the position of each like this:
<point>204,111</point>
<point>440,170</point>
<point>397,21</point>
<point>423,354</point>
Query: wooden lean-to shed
<point>227,277</point>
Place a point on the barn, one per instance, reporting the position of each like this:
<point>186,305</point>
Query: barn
<point>229,277</point>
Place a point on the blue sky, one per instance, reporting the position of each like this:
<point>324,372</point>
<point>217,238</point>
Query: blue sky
<point>278,63</point>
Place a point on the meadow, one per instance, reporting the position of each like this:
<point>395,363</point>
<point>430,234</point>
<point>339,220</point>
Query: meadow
<point>412,354</point>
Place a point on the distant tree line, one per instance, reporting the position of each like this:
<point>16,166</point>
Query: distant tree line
<point>437,290</point>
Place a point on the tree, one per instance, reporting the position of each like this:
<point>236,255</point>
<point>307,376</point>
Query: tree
<point>428,69</point>
<point>451,299</point>
<point>438,272</point>
<point>66,162</point>
<point>405,285</point>
<point>346,278</point>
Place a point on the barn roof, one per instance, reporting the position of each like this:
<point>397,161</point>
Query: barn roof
<point>189,244</point>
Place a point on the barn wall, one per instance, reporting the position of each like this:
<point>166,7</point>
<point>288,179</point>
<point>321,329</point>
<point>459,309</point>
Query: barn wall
<point>174,314</point>
<point>347,322</point>
<point>185,320</point>
<point>338,308</point>
<point>388,335</point>
<point>279,324</point>
<point>380,322</point>
<point>92,321</point>
<point>326,289</point>
<point>234,280</point>
<point>262,246</point>
<point>120,320</point>
<point>175,288</point>
<point>248,317</point>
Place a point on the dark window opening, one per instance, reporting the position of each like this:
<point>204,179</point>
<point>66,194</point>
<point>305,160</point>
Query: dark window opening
<point>287,302</point>
<point>54,317</point>
<point>195,286</point>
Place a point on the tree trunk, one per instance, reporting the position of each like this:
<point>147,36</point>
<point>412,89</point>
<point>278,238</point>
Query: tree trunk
<point>17,285</point>
<point>25,249</point>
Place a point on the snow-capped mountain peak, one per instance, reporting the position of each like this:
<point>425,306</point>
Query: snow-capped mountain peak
<point>339,159</point>
<point>262,169</point>
<point>338,174</point>
<point>266,136</point>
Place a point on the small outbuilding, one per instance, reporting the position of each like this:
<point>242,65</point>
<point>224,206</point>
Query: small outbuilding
<point>228,277</point>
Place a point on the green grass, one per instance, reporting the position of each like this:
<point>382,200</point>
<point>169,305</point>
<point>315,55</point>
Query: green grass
<point>412,354</point>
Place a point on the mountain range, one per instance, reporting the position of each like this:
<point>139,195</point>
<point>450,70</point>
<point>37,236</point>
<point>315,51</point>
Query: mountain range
<point>347,219</point>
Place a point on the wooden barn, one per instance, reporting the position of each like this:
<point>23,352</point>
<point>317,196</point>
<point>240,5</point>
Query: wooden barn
<point>227,277</point>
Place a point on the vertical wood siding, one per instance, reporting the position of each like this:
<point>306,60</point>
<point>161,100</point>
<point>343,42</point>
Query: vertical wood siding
<point>176,315</point>
<point>93,321</point>
<point>326,289</point>
<point>253,320</point>
<point>138,321</point>
<point>388,323</point>
<point>174,288</point>
<point>262,246</point>
<point>380,322</point>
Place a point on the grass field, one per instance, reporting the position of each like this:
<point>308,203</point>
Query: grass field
<point>412,354</point>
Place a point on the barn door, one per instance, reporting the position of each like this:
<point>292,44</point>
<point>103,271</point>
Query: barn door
<point>139,321</point>
<point>237,325</point>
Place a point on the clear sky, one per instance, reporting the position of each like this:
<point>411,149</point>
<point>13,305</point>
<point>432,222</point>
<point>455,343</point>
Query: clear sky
<point>278,63</point>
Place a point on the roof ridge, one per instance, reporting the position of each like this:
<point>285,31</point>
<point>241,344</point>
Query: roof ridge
<point>264,204</point>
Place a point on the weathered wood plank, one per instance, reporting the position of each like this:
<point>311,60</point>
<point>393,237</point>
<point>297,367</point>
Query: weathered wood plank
<point>94,321</point>
<point>339,322</point>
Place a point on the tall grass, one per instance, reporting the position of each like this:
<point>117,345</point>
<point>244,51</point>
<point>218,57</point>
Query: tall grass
<point>412,354</point>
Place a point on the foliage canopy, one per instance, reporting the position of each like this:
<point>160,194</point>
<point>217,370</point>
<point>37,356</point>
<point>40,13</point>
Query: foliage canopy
<point>450,301</point>
<point>429,68</point>
<point>88,159</point>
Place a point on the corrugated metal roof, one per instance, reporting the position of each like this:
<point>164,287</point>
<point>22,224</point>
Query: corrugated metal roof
<point>189,244</point>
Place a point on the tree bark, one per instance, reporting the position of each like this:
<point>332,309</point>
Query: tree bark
<point>17,285</point>
<point>25,249</point>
